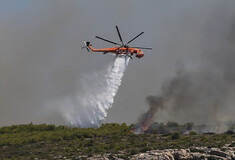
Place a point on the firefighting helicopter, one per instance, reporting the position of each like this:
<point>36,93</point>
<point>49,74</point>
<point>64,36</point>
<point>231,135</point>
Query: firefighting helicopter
<point>121,50</point>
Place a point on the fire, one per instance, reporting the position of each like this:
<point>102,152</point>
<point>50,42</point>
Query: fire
<point>147,118</point>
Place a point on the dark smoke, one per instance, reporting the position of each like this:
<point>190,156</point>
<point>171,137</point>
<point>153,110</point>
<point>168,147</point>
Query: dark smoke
<point>202,96</point>
<point>204,92</point>
<point>146,119</point>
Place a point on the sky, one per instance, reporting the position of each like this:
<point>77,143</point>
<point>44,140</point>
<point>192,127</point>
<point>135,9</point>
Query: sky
<point>41,60</point>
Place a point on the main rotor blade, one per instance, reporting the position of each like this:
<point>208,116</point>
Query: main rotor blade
<point>142,48</point>
<point>134,38</point>
<point>107,40</point>
<point>119,35</point>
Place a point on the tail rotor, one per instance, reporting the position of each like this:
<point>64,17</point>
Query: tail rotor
<point>86,46</point>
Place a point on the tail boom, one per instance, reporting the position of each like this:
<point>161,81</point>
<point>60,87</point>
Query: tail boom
<point>105,50</point>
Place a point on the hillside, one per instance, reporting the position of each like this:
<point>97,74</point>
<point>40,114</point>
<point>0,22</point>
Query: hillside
<point>115,140</point>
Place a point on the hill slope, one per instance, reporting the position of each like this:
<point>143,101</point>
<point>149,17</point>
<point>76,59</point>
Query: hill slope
<point>56,142</point>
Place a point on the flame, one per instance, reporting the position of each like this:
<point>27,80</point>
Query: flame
<point>147,118</point>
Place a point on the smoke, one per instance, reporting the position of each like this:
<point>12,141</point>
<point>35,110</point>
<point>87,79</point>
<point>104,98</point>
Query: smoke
<point>99,90</point>
<point>146,119</point>
<point>202,96</point>
<point>200,46</point>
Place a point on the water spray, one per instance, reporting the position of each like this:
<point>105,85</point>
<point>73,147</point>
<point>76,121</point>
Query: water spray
<point>90,108</point>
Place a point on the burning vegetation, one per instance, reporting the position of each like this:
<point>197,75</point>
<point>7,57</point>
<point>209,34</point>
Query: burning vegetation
<point>174,127</point>
<point>201,97</point>
<point>146,119</point>
<point>181,94</point>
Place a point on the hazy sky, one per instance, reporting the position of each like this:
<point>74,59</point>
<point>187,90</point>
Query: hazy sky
<point>41,58</point>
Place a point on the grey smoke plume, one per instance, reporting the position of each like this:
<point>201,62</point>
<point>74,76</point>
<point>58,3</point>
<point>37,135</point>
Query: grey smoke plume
<point>147,118</point>
<point>202,88</point>
<point>203,96</point>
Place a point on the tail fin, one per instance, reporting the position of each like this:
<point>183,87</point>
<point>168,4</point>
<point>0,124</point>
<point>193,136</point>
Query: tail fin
<point>87,44</point>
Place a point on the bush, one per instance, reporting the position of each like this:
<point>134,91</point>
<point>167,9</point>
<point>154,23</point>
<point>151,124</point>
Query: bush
<point>172,124</point>
<point>145,149</point>
<point>133,152</point>
<point>189,126</point>
<point>50,127</point>
<point>175,135</point>
<point>211,158</point>
<point>229,132</point>
<point>192,133</point>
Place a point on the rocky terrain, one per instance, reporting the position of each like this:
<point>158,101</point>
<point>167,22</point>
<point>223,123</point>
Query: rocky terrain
<point>195,153</point>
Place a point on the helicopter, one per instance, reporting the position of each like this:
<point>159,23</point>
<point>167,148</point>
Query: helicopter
<point>121,50</point>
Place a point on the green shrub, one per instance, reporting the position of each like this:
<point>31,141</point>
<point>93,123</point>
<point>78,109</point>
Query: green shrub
<point>171,124</point>
<point>192,133</point>
<point>175,135</point>
<point>133,152</point>
<point>145,149</point>
<point>189,126</point>
<point>230,132</point>
<point>51,127</point>
<point>211,158</point>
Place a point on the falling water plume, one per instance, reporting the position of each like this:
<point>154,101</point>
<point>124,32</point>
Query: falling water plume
<point>90,108</point>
